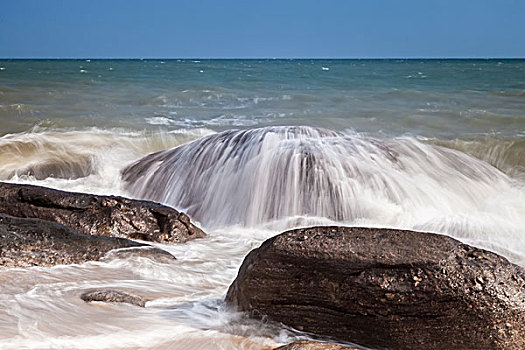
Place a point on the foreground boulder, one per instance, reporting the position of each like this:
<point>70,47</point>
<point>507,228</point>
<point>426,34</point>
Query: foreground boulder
<point>385,288</point>
<point>34,242</point>
<point>99,215</point>
<point>313,345</point>
<point>113,296</point>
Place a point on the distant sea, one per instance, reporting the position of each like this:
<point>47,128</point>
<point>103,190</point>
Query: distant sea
<point>437,145</point>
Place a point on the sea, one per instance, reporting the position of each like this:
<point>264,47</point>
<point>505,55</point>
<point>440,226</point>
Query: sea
<point>249,149</point>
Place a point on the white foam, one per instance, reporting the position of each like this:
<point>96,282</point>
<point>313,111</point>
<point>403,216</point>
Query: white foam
<point>159,121</point>
<point>278,174</point>
<point>105,153</point>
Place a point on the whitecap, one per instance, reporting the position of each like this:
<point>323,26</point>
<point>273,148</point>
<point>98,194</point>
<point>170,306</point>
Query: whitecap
<point>159,121</point>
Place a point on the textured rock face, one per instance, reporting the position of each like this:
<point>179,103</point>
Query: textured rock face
<point>385,288</point>
<point>34,242</point>
<point>313,345</point>
<point>99,215</point>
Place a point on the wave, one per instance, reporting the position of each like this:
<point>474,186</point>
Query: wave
<point>506,154</point>
<point>282,177</point>
<point>47,156</point>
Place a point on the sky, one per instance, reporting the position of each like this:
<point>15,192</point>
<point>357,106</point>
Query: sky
<point>261,28</point>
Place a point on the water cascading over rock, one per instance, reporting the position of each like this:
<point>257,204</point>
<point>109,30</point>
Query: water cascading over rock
<point>284,177</point>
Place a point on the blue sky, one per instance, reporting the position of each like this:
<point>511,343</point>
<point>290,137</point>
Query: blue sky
<point>265,28</point>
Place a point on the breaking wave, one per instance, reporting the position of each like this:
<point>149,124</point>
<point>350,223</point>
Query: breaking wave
<point>282,177</point>
<point>87,160</point>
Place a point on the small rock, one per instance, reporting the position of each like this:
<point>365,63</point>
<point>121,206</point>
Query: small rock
<point>153,253</point>
<point>113,296</point>
<point>313,345</point>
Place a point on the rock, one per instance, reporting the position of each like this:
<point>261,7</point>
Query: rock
<point>113,296</point>
<point>152,253</point>
<point>33,242</point>
<point>99,215</point>
<point>313,345</point>
<point>385,288</point>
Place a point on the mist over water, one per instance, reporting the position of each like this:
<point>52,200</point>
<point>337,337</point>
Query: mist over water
<point>428,145</point>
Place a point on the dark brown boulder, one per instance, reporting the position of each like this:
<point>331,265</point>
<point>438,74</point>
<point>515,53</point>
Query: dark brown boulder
<point>385,288</point>
<point>113,296</point>
<point>33,242</point>
<point>99,215</point>
<point>313,345</point>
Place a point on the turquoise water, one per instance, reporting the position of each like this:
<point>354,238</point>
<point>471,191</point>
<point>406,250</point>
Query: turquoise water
<point>476,106</point>
<point>430,145</point>
<point>441,98</point>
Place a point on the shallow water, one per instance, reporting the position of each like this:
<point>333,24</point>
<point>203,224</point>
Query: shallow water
<point>428,145</point>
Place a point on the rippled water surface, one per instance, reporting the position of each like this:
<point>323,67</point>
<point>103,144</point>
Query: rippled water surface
<point>433,145</point>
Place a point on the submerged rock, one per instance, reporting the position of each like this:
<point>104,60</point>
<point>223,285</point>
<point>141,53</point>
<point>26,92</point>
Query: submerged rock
<point>313,345</point>
<point>99,215</point>
<point>113,296</point>
<point>33,242</point>
<point>277,176</point>
<point>385,288</point>
<point>149,252</point>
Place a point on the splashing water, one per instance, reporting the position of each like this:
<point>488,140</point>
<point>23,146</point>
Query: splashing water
<point>81,160</point>
<point>281,177</point>
<point>243,187</point>
<point>246,186</point>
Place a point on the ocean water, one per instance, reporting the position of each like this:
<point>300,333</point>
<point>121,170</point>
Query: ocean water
<point>262,146</point>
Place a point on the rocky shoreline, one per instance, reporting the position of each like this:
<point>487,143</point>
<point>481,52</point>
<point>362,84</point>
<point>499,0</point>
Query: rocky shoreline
<point>379,288</point>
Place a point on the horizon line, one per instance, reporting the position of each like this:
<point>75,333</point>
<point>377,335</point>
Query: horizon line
<point>275,58</point>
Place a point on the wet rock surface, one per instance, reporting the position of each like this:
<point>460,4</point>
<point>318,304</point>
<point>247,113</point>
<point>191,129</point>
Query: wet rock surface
<point>149,252</point>
<point>113,296</point>
<point>313,345</point>
<point>385,288</point>
<point>99,215</point>
<point>28,242</point>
